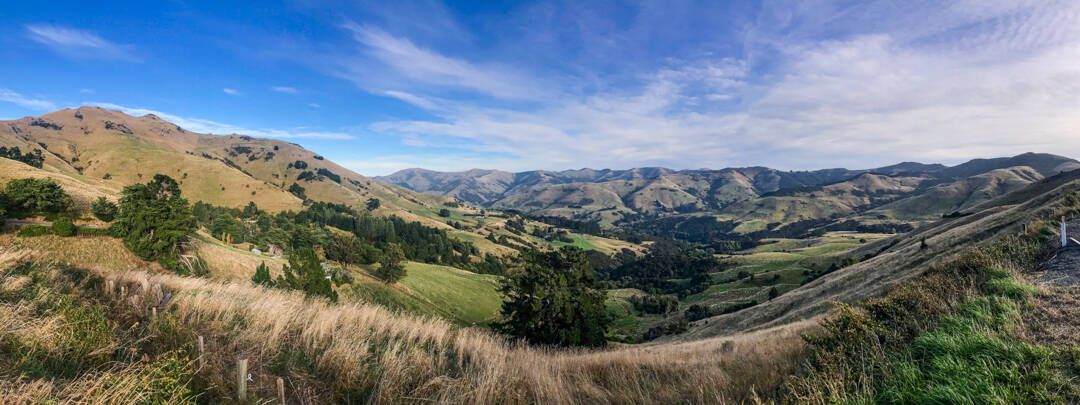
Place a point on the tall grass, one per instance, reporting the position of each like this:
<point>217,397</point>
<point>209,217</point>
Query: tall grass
<point>951,336</point>
<point>362,353</point>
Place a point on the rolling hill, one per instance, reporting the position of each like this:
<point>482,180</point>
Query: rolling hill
<point>96,152</point>
<point>754,196</point>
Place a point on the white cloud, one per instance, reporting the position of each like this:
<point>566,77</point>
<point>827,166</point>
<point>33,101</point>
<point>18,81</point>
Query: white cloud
<point>9,96</point>
<point>79,43</point>
<point>419,65</point>
<point>231,92</point>
<point>285,89</point>
<point>86,91</point>
<point>314,105</point>
<point>212,127</point>
<point>965,81</point>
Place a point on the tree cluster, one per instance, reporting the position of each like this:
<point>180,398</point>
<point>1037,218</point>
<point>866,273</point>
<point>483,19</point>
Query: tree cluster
<point>153,220</point>
<point>554,299</point>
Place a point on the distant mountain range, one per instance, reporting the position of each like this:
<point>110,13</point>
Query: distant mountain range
<point>757,195</point>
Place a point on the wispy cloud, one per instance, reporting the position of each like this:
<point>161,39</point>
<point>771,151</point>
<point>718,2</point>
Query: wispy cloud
<point>9,96</point>
<point>945,82</point>
<point>232,92</point>
<point>285,89</point>
<point>79,43</point>
<point>314,105</point>
<point>214,127</point>
<point>416,64</point>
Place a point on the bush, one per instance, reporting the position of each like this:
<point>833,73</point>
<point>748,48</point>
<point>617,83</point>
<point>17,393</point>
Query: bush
<point>63,227</point>
<point>34,230</point>
<point>36,196</point>
<point>305,273</point>
<point>104,209</point>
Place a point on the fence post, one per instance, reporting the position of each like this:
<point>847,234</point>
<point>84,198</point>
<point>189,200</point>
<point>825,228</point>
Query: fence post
<point>241,378</point>
<point>202,353</point>
<point>1064,238</point>
<point>281,390</point>
<point>153,314</point>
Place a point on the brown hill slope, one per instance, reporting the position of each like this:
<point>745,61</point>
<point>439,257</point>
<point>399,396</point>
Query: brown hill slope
<point>899,258</point>
<point>114,149</point>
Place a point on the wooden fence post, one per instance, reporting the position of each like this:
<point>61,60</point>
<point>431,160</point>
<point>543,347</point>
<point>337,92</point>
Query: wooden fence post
<point>153,314</point>
<point>281,390</point>
<point>241,378</point>
<point>202,353</point>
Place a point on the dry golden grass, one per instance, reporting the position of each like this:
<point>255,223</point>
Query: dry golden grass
<point>399,358</point>
<point>101,253</point>
<point>83,190</point>
<point>231,264</point>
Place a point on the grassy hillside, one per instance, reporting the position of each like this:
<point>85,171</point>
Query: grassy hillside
<point>895,260</point>
<point>94,152</point>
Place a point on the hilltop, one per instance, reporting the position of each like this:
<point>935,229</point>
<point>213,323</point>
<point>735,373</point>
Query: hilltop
<point>753,196</point>
<point>101,151</point>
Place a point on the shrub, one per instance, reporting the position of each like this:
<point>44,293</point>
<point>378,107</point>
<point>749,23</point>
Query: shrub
<point>36,196</point>
<point>262,276</point>
<point>305,273</point>
<point>63,227</point>
<point>445,213</point>
<point>104,209</point>
<point>34,230</point>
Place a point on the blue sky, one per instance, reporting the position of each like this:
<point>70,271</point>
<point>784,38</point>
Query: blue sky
<point>559,85</point>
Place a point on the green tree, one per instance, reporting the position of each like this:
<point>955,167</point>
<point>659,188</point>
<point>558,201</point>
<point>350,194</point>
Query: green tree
<point>104,209</point>
<point>154,220</point>
<point>298,191</point>
<point>554,299</point>
<point>305,273</point>
<point>344,248</point>
<point>251,210</point>
<point>262,276</point>
<point>373,204</point>
<point>445,213</point>
<point>391,264</point>
<point>63,226</point>
<point>773,293</point>
<point>35,196</point>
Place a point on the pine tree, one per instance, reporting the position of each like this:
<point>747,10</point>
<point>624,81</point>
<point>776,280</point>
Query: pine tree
<point>262,276</point>
<point>154,220</point>
<point>391,265</point>
<point>305,273</point>
<point>104,209</point>
<point>554,299</point>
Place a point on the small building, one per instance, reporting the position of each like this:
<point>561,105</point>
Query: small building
<point>256,251</point>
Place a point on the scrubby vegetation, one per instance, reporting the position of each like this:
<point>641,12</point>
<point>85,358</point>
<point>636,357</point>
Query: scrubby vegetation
<point>34,158</point>
<point>953,336</point>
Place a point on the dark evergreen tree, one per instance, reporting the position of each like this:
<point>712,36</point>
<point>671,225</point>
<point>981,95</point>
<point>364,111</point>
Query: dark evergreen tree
<point>35,196</point>
<point>554,299</point>
<point>305,273</point>
<point>373,204</point>
<point>154,220</point>
<point>262,276</point>
<point>391,265</point>
<point>104,209</point>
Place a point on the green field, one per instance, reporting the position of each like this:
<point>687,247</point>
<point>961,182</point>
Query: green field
<point>457,295</point>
